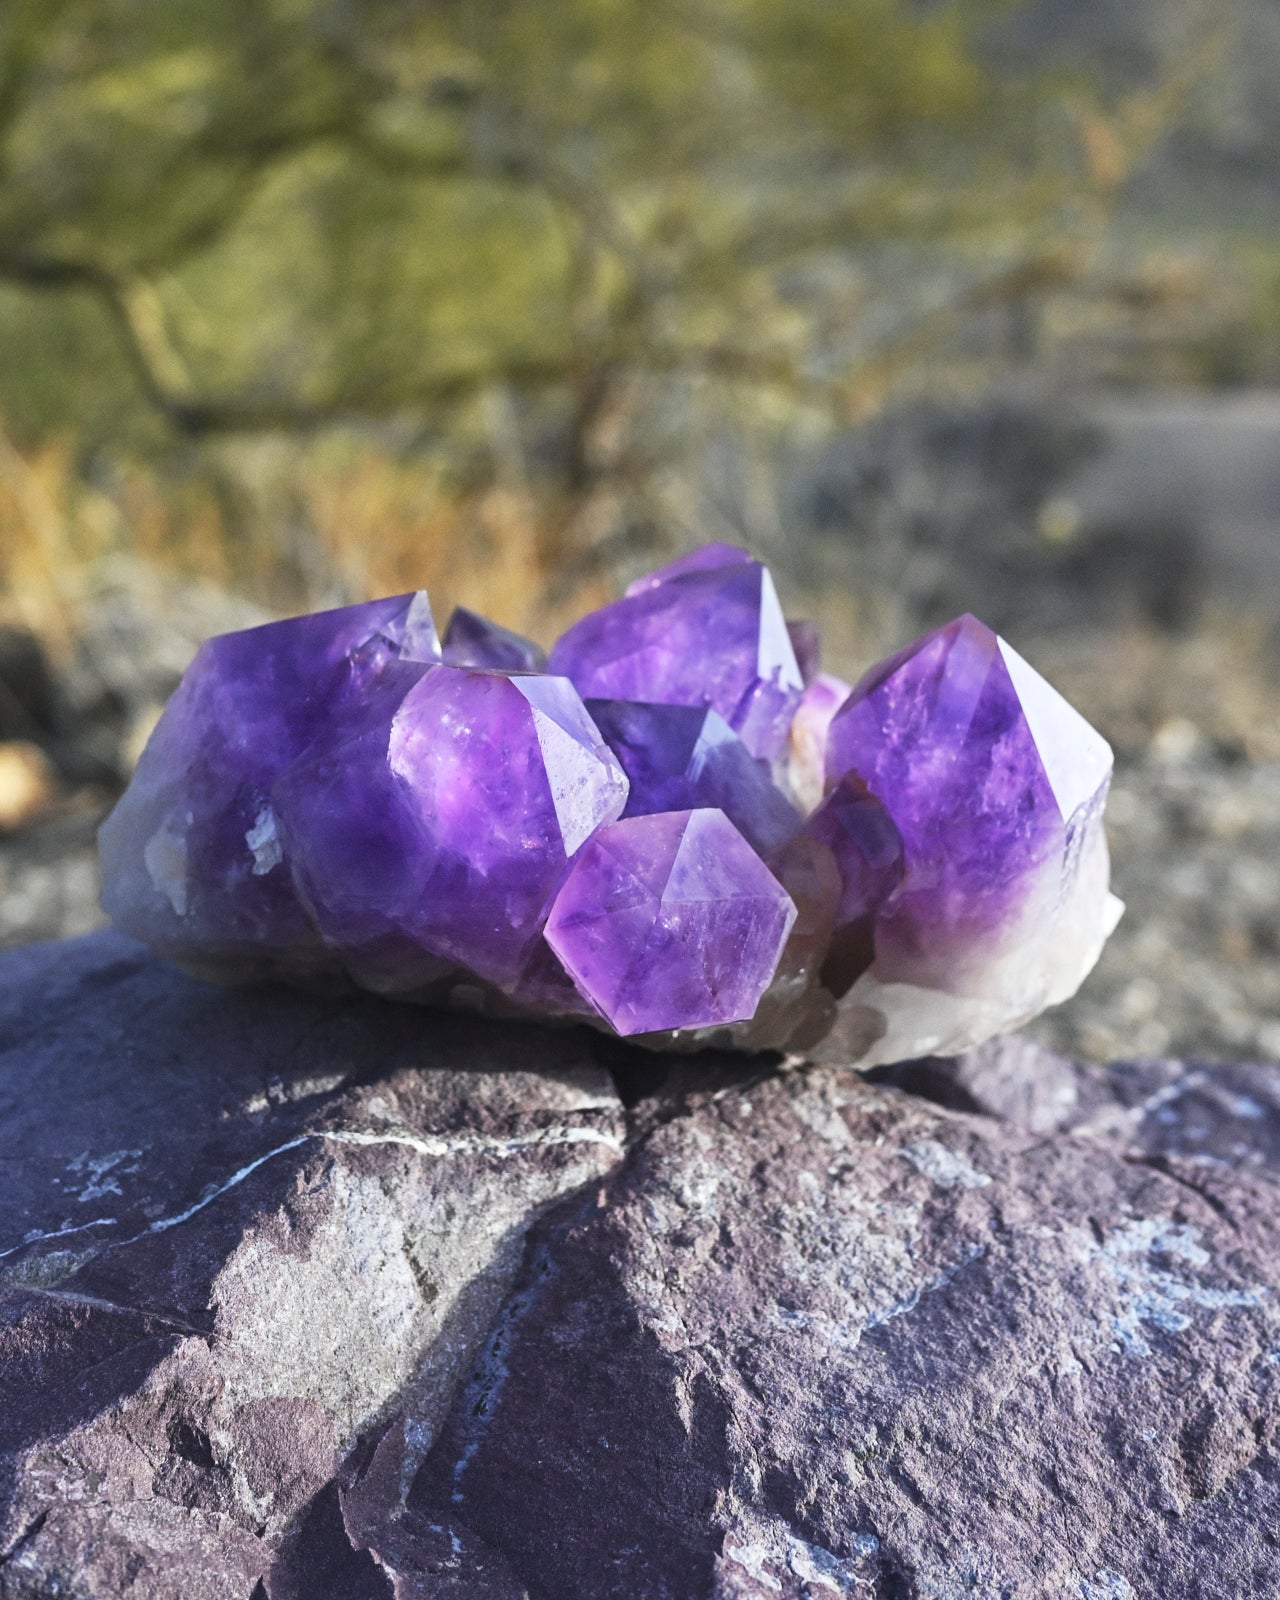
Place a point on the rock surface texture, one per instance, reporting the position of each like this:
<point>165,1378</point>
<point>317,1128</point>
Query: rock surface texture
<point>335,1300</point>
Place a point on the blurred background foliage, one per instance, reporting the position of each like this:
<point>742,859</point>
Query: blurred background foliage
<point>316,297</point>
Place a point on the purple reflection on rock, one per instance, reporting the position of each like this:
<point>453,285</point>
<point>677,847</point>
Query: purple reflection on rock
<point>471,640</point>
<point>670,921</point>
<point>682,758</point>
<point>712,637</point>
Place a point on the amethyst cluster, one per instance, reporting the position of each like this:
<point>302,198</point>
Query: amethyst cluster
<point>673,827</point>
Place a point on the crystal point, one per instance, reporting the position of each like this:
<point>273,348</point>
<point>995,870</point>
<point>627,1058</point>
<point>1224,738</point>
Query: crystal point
<point>1003,905</point>
<point>702,637</point>
<point>471,640</point>
<point>670,921</point>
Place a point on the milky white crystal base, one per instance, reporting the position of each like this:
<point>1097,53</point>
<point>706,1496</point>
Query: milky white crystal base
<point>1042,965</point>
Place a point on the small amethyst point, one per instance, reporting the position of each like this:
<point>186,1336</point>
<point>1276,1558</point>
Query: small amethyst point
<point>867,849</point>
<point>706,558</point>
<point>471,640</point>
<point>806,641</point>
<point>701,637</point>
<point>670,921</point>
<point>683,758</point>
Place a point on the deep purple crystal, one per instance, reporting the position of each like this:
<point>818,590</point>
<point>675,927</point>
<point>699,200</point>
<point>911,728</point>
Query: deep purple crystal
<point>670,921</point>
<point>446,822</point>
<point>191,857</point>
<point>867,849</point>
<point>681,758</point>
<point>471,640</point>
<point>988,775</point>
<point>701,637</point>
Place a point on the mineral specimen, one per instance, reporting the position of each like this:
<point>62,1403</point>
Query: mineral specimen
<point>674,828</point>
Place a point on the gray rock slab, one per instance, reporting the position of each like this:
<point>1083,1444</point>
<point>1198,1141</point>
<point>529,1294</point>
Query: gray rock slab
<point>237,1231</point>
<point>329,1300</point>
<point>820,1337</point>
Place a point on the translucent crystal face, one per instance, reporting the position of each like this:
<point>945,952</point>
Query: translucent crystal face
<point>671,921</point>
<point>700,636</point>
<point>449,819</point>
<point>722,845</point>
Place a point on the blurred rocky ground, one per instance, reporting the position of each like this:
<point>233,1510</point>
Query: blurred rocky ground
<point>1129,548</point>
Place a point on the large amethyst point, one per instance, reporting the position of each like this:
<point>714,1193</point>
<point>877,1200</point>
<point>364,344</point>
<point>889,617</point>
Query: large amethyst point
<point>712,637</point>
<point>192,860</point>
<point>996,786</point>
<point>471,640</point>
<point>682,758</point>
<point>670,921</point>
<point>445,827</point>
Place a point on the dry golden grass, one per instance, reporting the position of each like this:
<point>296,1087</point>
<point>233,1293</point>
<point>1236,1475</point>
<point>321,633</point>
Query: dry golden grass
<point>291,528</point>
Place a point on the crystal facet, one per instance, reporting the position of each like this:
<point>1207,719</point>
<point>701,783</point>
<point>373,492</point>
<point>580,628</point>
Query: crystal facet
<point>471,640</point>
<point>721,846</point>
<point>702,636</point>
<point>680,758</point>
<point>670,921</point>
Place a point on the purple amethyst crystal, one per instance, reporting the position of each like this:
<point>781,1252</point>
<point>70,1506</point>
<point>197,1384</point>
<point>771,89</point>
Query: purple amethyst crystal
<point>702,636</point>
<point>192,860</point>
<point>867,849</point>
<point>705,851</point>
<point>681,758</point>
<point>444,824</point>
<point>996,786</point>
<point>670,921</point>
<point>806,641</point>
<point>706,558</point>
<point>471,640</point>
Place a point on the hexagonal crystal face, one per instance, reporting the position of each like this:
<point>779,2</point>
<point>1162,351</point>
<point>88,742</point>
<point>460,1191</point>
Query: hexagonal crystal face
<point>670,921</point>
